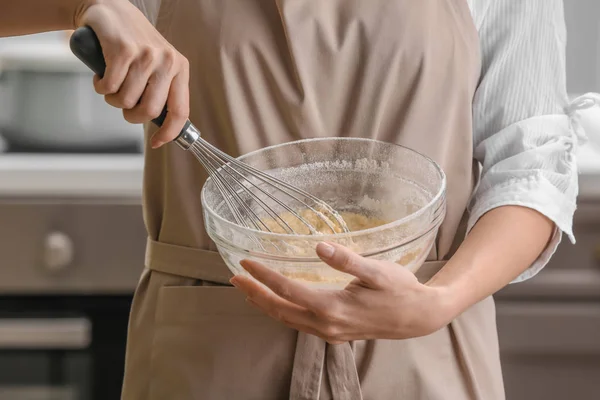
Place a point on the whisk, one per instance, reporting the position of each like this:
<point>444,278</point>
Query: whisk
<point>249,194</point>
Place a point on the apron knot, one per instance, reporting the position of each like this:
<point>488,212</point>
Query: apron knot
<point>314,357</point>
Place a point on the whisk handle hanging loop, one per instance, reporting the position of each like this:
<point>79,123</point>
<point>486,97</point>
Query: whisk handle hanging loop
<point>85,45</point>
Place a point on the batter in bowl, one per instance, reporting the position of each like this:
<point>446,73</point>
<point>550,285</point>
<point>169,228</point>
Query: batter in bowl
<point>354,222</point>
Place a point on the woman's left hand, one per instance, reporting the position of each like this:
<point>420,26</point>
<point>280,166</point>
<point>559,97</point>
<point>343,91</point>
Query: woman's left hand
<point>385,301</point>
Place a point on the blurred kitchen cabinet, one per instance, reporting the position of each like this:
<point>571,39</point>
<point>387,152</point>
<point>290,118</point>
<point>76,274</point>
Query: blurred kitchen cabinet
<point>549,326</point>
<point>68,269</point>
<point>87,246</point>
<point>550,350</point>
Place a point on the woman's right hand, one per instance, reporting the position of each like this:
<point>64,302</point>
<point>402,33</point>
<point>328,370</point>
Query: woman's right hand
<point>143,71</point>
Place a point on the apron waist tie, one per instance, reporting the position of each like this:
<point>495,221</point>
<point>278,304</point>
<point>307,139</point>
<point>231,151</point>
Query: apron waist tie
<point>189,262</point>
<point>313,356</point>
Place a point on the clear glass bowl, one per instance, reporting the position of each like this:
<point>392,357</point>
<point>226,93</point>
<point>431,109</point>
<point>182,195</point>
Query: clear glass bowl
<point>363,176</point>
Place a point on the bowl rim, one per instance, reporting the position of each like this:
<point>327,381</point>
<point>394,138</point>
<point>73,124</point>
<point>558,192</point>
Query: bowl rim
<point>329,236</point>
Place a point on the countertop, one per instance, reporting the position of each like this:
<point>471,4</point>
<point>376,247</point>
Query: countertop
<point>57,175</point>
<point>120,175</point>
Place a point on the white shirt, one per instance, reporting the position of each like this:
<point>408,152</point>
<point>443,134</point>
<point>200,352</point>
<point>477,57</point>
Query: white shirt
<point>525,130</point>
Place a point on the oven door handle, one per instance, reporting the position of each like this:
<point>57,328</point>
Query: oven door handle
<point>45,333</point>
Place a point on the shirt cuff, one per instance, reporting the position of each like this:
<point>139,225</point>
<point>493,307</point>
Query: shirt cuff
<point>539,195</point>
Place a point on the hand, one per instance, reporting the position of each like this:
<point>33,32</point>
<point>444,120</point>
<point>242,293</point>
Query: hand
<point>385,301</point>
<point>143,71</point>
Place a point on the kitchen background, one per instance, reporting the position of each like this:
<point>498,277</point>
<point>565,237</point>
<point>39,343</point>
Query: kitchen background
<point>72,238</point>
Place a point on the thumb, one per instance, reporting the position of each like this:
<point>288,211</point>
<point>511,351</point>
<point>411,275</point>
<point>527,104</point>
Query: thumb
<point>345,260</point>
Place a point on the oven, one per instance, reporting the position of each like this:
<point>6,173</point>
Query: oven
<point>68,269</point>
<point>62,347</point>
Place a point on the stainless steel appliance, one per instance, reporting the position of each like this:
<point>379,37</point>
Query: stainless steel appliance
<point>61,348</point>
<point>49,102</point>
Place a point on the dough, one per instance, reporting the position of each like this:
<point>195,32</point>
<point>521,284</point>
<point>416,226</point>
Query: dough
<point>354,222</point>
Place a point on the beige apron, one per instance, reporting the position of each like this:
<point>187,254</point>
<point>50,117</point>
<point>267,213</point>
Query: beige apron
<point>270,71</point>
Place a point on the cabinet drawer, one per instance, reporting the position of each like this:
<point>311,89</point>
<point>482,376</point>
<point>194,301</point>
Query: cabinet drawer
<point>551,377</point>
<point>74,247</point>
<point>549,328</point>
<point>550,351</point>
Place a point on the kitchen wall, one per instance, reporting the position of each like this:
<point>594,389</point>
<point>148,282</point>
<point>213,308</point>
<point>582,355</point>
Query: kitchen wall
<point>583,48</point>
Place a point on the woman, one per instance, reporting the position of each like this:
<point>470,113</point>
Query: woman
<point>470,84</point>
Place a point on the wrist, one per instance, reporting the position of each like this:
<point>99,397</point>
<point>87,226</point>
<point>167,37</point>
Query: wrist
<point>452,289</point>
<point>65,12</point>
<point>456,290</point>
<point>443,304</point>
<point>79,10</point>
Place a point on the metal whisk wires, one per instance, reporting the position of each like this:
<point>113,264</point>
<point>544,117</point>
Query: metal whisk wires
<point>251,195</point>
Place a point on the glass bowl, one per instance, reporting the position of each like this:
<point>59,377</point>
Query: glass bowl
<point>362,176</point>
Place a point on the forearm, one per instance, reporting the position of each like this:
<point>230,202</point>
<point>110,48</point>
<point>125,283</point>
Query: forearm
<point>21,17</point>
<point>501,245</point>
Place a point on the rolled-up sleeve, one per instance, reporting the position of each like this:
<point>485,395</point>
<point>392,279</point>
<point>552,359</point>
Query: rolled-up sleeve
<point>523,136</point>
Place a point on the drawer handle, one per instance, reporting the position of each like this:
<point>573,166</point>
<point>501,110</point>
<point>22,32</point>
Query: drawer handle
<point>45,333</point>
<point>58,251</point>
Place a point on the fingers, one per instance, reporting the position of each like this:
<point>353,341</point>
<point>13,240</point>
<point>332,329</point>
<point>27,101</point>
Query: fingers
<point>299,327</point>
<point>142,79</point>
<point>290,314</point>
<point>178,104</point>
<point>117,68</point>
<point>285,288</point>
<point>130,90</point>
<point>276,307</point>
<point>152,101</point>
<point>152,79</point>
<point>339,257</point>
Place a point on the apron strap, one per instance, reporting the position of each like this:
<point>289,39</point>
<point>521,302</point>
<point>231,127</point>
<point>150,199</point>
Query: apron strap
<point>342,373</point>
<point>199,264</point>
<point>307,373</point>
<point>312,355</point>
<point>208,265</point>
